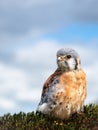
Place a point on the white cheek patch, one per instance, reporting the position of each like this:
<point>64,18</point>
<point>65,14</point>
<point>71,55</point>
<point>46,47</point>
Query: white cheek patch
<point>71,63</point>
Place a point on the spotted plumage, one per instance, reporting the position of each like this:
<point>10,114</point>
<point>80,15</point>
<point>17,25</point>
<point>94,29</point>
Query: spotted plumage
<point>64,92</point>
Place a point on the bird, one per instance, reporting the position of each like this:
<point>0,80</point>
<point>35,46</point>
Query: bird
<point>64,92</point>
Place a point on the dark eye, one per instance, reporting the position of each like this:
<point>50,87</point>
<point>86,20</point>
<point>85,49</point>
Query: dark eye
<point>68,56</point>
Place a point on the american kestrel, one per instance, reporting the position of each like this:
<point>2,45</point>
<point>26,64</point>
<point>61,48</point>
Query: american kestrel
<point>64,92</point>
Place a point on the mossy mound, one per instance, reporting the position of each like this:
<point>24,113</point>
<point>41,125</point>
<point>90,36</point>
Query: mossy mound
<point>36,121</point>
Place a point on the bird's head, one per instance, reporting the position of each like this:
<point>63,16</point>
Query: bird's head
<point>68,59</point>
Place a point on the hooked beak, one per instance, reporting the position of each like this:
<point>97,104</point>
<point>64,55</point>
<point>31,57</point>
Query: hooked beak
<point>60,58</point>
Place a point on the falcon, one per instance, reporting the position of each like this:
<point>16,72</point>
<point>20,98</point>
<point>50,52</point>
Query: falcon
<point>64,92</point>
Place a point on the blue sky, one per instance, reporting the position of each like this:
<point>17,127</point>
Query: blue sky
<point>84,32</point>
<point>31,32</point>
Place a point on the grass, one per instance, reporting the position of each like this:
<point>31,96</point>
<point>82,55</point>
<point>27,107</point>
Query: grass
<point>36,121</point>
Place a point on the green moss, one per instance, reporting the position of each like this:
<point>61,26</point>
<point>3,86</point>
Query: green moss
<point>35,121</point>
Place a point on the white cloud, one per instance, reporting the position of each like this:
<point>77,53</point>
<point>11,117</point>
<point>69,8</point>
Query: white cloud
<point>15,88</point>
<point>11,77</point>
<point>29,95</point>
<point>92,88</point>
<point>7,104</point>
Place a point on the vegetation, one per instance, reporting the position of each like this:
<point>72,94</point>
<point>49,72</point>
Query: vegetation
<point>35,121</point>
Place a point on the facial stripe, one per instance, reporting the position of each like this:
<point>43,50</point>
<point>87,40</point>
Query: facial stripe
<point>76,65</point>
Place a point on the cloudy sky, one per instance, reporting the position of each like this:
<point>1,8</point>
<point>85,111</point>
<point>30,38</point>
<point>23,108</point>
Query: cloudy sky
<point>31,32</point>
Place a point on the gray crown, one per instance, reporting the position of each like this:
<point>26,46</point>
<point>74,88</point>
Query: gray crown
<point>68,51</point>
